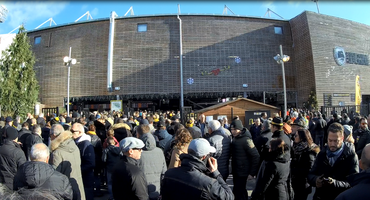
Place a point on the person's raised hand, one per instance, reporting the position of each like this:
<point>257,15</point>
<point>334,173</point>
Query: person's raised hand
<point>212,164</point>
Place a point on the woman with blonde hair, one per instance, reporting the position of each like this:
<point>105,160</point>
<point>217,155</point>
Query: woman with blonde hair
<point>182,141</point>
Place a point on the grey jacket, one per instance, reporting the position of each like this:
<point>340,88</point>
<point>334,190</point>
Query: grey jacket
<point>153,164</point>
<point>221,143</point>
<point>65,158</point>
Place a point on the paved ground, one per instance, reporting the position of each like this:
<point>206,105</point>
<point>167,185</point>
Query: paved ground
<point>250,187</point>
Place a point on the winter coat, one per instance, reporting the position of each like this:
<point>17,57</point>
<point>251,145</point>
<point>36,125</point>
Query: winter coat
<point>175,156</point>
<point>362,137</point>
<point>41,121</point>
<point>163,137</point>
<point>263,144</point>
<point>195,132</point>
<point>360,184</point>
<point>21,133</point>
<point>121,131</point>
<point>245,157</point>
<point>87,154</point>
<point>320,126</point>
<point>110,157</point>
<point>98,150</point>
<point>45,134</point>
<point>300,165</point>
<point>193,180</point>
<point>36,174</point>
<point>101,130</point>
<point>153,164</point>
<point>30,140</point>
<point>271,183</point>
<point>280,134</point>
<point>128,180</point>
<point>65,159</point>
<point>346,164</point>
<point>222,144</point>
<point>11,158</point>
<point>255,131</point>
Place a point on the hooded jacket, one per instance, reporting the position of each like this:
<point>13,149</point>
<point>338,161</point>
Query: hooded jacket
<point>36,174</point>
<point>128,180</point>
<point>11,158</point>
<point>65,159</point>
<point>163,137</point>
<point>360,184</point>
<point>346,164</point>
<point>193,180</point>
<point>121,131</point>
<point>263,144</point>
<point>271,183</point>
<point>111,156</point>
<point>221,143</point>
<point>153,164</point>
<point>245,157</point>
<point>362,137</point>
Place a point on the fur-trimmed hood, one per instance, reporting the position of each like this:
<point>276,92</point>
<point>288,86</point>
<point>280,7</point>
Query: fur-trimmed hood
<point>120,125</point>
<point>61,140</point>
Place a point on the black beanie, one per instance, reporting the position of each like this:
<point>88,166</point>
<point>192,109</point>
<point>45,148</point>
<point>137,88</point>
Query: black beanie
<point>237,124</point>
<point>11,133</point>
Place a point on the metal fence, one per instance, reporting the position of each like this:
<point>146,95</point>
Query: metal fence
<point>330,110</point>
<point>49,111</point>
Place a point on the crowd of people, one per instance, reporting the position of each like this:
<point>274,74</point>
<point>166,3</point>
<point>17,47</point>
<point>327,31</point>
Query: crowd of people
<point>152,155</point>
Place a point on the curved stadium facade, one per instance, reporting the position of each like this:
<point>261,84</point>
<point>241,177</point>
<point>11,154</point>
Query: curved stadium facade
<point>223,56</point>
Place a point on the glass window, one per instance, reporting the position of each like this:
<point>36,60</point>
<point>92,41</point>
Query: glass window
<point>38,40</point>
<point>278,30</point>
<point>141,27</point>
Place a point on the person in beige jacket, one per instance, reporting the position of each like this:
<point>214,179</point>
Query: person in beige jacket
<point>182,141</point>
<point>66,160</point>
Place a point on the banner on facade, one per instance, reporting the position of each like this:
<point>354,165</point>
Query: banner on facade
<point>358,94</point>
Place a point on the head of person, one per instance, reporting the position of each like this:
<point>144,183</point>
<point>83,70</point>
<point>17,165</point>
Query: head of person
<point>266,125</point>
<point>257,122</point>
<point>303,135</point>
<point>213,125</point>
<point>55,131</point>
<point>26,125</point>
<point>110,141</point>
<point>277,124</point>
<point>183,137</point>
<point>36,129</point>
<point>177,127</point>
<point>131,147</point>
<point>365,158</point>
<point>161,125</point>
<point>236,127</point>
<point>363,123</point>
<point>298,124</point>
<point>264,115</point>
<point>9,120</point>
<point>77,130</point>
<point>189,123</point>
<point>33,121</point>
<point>200,148</point>
<point>348,134</point>
<point>277,146</point>
<point>175,119</point>
<point>40,152</point>
<point>92,128</point>
<point>335,136</point>
<point>11,134</point>
<point>142,129</point>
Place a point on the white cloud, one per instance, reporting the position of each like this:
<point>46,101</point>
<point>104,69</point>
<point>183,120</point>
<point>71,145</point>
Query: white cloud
<point>94,12</point>
<point>27,12</point>
<point>269,4</point>
<point>84,7</point>
<point>294,3</point>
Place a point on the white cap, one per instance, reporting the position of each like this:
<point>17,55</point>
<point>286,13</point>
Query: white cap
<point>201,147</point>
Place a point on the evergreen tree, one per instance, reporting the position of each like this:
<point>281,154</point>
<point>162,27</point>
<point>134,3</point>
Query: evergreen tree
<point>19,87</point>
<point>312,100</point>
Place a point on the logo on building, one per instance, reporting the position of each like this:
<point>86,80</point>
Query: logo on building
<point>339,56</point>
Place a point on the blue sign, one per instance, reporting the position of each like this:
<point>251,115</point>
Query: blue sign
<point>238,59</point>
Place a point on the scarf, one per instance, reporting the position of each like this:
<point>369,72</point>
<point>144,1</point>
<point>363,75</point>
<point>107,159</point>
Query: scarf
<point>333,156</point>
<point>299,147</point>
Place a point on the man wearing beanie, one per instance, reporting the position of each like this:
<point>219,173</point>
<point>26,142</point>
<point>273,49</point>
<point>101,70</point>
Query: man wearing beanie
<point>197,177</point>
<point>245,159</point>
<point>11,157</point>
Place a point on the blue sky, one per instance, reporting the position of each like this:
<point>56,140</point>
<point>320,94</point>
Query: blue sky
<point>34,13</point>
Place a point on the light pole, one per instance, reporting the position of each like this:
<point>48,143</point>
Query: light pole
<point>67,62</point>
<point>280,59</point>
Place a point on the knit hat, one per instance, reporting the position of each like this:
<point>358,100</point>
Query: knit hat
<point>8,119</point>
<point>237,124</point>
<point>130,143</point>
<point>144,121</point>
<point>201,147</point>
<point>299,122</point>
<point>347,130</point>
<point>161,124</point>
<point>11,133</point>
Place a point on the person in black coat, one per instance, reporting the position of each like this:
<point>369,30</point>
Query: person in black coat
<point>361,136</point>
<point>263,141</point>
<point>110,158</point>
<point>332,165</point>
<point>87,153</point>
<point>255,129</point>
<point>98,150</point>
<point>303,157</point>
<point>245,159</point>
<point>11,157</point>
<point>272,178</point>
<point>32,139</point>
<point>278,132</point>
<point>37,173</point>
<point>128,180</point>
<point>360,182</point>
